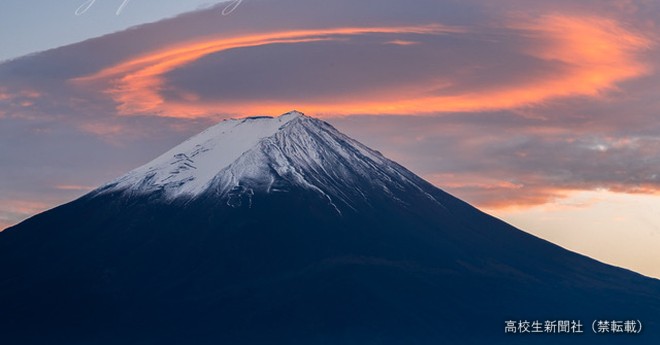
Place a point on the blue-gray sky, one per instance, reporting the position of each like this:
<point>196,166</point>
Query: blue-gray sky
<point>36,25</point>
<point>543,113</point>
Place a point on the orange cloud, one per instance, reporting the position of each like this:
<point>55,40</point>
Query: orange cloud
<point>14,210</point>
<point>595,53</point>
<point>23,206</point>
<point>24,95</point>
<point>497,194</point>
<point>102,129</point>
<point>599,50</point>
<point>74,187</point>
<point>135,84</point>
<point>4,224</point>
<point>401,42</point>
<point>3,94</point>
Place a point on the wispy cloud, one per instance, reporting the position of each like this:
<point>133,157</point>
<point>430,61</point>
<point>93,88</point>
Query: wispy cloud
<point>74,187</point>
<point>11,211</point>
<point>136,84</point>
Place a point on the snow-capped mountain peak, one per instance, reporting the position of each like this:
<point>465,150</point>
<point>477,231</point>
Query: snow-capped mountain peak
<point>188,168</point>
<point>238,158</point>
<point>209,241</point>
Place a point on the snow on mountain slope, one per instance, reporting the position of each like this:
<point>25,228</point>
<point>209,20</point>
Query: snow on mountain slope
<point>238,158</point>
<point>188,168</point>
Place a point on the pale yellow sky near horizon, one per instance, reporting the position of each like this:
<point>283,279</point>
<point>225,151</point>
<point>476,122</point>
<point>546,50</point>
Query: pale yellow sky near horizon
<point>616,228</point>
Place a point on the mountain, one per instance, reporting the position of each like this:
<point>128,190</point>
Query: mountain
<point>285,231</point>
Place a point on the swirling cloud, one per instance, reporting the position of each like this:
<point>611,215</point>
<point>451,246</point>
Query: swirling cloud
<point>559,55</point>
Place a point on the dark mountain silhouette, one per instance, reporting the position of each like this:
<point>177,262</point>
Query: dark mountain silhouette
<point>285,231</point>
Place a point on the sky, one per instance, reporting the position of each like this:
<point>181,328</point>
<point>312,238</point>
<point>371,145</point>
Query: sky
<point>542,113</point>
<point>32,26</point>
